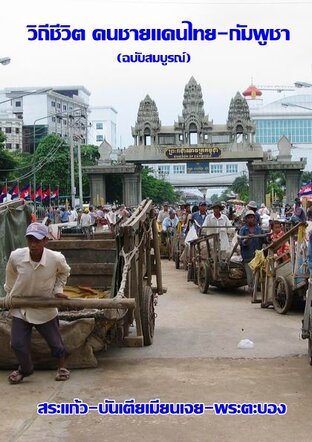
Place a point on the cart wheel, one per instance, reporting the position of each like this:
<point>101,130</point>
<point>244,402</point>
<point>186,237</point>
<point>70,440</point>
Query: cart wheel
<point>177,260</point>
<point>148,315</point>
<point>195,280</point>
<point>203,278</point>
<point>310,350</point>
<point>282,295</point>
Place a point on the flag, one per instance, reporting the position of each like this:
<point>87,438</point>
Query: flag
<point>14,192</point>
<point>306,189</point>
<point>4,192</point>
<point>38,195</point>
<point>25,192</point>
<point>54,194</point>
<point>45,194</point>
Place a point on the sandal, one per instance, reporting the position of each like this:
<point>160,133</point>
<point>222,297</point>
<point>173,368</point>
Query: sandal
<point>15,377</point>
<point>62,374</point>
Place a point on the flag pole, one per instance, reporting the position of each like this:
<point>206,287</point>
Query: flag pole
<point>58,195</point>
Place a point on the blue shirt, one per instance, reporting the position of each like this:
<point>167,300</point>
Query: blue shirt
<point>199,218</point>
<point>249,246</point>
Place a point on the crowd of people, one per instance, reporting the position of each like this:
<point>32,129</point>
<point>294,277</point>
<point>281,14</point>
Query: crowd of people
<point>251,226</point>
<point>89,218</point>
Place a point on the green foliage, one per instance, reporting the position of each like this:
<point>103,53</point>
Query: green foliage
<point>89,157</point>
<point>7,161</point>
<point>276,185</point>
<point>240,186</point>
<point>306,177</point>
<point>53,155</point>
<point>155,189</point>
<point>214,197</point>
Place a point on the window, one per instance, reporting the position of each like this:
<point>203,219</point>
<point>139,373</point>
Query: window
<point>58,105</point>
<point>99,138</point>
<point>17,131</point>
<point>17,146</point>
<point>99,126</point>
<point>166,139</point>
<point>231,168</point>
<point>8,130</point>
<point>163,170</point>
<point>216,168</point>
<point>64,107</point>
<point>53,119</point>
<point>18,103</point>
<point>179,168</point>
<point>8,145</point>
<point>53,103</point>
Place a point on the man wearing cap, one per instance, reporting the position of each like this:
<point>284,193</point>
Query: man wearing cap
<point>250,245</point>
<point>218,219</point>
<point>35,271</point>
<point>199,217</point>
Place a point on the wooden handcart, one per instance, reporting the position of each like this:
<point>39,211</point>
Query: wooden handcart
<point>282,280</point>
<point>206,268</point>
<point>124,268</point>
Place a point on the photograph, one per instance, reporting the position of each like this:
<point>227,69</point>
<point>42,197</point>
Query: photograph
<point>156,220</point>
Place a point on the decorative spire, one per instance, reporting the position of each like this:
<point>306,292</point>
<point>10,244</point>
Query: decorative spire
<point>193,102</point>
<point>148,114</point>
<point>238,109</point>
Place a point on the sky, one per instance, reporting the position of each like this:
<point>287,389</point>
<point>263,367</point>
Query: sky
<point>221,67</point>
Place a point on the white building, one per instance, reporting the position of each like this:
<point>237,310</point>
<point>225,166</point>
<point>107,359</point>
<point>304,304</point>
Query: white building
<point>290,116</point>
<point>12,127</point>
<point>61,110</point>
<point>102,125</point>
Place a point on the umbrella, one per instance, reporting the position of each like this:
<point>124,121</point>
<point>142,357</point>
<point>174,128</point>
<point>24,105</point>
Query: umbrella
<point>235,201</point>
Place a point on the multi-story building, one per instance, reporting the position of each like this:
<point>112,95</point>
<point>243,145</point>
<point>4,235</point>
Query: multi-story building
<point>62,110</point>
<point>289,116</point>
<point>102,125</point>
<point>12,128</point>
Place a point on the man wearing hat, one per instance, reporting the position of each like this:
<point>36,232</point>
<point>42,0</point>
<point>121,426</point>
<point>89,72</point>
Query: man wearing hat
<point>199,216</point>
<point>252,205</point>
<point>35,271</point>
<point>164,213</point>
<point>215,221</point>
<point>250,244</point>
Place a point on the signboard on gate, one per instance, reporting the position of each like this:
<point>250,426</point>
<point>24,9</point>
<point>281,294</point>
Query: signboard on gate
<point>190,153</point>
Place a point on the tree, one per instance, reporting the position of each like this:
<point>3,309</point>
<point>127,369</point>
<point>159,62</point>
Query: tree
<point>7,161</point>
<point>89,157</point>
<point>52,162</point>
<point>276,185</point>
<point>155,189</point>
<point>240,186</point>
<point>306,177</point>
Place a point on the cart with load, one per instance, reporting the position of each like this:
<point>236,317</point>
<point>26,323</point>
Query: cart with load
<point>116,276</point>
<point>207,268</point>
<point>282,279</point>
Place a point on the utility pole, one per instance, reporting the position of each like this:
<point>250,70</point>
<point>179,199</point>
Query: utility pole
<point>72,167</point>
<point>80,174</point>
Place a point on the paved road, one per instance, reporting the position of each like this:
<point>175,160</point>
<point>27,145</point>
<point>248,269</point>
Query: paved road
<point>194,359</point>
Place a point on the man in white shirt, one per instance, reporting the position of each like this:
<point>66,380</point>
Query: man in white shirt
<point>35,271</point>
<point>218,219</point>
<point>86,223</point>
